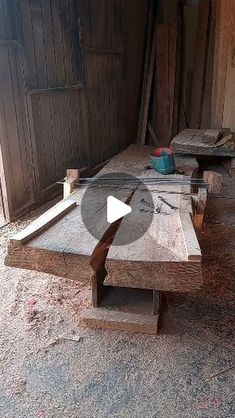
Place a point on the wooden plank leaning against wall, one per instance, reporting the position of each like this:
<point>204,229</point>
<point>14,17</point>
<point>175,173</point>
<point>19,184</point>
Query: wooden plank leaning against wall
<point>223,88</point>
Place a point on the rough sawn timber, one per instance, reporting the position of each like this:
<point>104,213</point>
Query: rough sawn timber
<point>167,257</point>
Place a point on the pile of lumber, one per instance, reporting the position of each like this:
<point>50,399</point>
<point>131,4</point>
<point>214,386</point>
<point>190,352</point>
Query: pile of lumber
<point>214,142</point>
<point>177,82</point>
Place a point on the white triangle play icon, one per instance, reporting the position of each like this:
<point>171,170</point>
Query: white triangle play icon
<point>116,209</point>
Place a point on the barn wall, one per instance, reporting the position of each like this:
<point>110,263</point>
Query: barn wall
<point>64,101</point>
<point>16,159</point>
<point>135,20</point>
<point>102,41</point>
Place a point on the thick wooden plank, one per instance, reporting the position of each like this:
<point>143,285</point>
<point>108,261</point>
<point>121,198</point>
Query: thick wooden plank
<point>229,105</point>
<point>164,276</point>
<point>158,260</point>
<point>147,92</point>
<point>99,318</point>
<point>224,25</point>
<point>201,142</point>
<point>190,240</point>
<point>148,49</point>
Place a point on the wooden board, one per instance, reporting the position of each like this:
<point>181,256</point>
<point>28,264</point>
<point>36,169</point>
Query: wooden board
<point>99,318</point>
<point>223,66</point>
<point>202,142</point>
<point>200,63</point>
<point>166,257</point>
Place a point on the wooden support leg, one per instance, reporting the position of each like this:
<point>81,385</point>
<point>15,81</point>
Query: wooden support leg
<point>199,208</point>
<point>97,286</point>
<point>229,165</point>
<point>156,302</point>
<point>214,181</point>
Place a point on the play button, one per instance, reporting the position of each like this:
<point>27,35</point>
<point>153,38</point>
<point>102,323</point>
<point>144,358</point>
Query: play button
<point>116,199</point>
<point>116,209</point>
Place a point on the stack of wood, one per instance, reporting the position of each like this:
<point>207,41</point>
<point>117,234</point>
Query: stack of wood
<point>178,73</point>
<point>158,83</point>
<point>215,142</point>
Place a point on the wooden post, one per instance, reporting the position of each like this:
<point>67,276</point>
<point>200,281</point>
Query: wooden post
<point>97,286</point>
<point>199,208</point>
<point>156,302</point>
<point>72,176</point>
<point>214,181</point>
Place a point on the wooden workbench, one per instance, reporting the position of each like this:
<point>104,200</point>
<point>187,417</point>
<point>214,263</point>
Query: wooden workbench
<point>167,257</point>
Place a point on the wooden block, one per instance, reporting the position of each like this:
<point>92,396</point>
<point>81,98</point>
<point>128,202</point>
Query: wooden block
<point>229,165</point>
<point>199,208</point>
<point>73,173</point>
<point>72,176</point>
<point>214,181</point>
<point>101,318</point>
<point>196,142</point>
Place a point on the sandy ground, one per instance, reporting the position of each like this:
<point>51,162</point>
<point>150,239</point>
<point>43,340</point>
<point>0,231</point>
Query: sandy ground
<point>50,367</point>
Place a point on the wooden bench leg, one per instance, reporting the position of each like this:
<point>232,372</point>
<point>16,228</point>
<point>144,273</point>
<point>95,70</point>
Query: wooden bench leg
<point>156,302</point>
<point>199,208</point>
<point>97,286</point>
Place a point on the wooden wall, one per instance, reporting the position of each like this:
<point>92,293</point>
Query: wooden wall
<point>15,146</point>
<point>63,94</point>
<point>223,85</point>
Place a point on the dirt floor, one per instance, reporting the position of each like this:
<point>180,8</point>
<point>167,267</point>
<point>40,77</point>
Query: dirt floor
<point>50,367</point>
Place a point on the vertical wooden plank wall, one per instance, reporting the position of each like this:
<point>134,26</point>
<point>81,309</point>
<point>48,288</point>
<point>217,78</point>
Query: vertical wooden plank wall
<point>63,102</point>
<point>218,107</point>
<point>16,162</point>
<point>103,63</point>
<point>55,86</point>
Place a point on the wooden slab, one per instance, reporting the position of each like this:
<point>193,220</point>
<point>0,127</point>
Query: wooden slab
<point>100,318</point>
<point>201,142</point>
<point>167,257</point>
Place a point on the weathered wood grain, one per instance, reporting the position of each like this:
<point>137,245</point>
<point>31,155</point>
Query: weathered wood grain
<point>164,258</point>
<point>99,318</point>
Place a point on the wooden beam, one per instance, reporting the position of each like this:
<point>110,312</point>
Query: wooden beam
<point>100,318</point>
<point>199,204</point>
<point>166,38</point>
<point>72,177</point>
<point>146,94</point>
<point>148,50</point>
<point>44,221</point>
